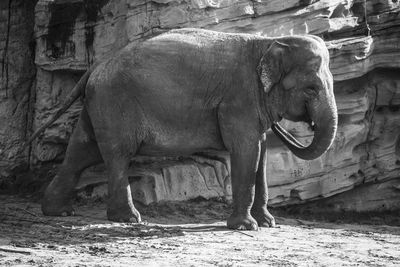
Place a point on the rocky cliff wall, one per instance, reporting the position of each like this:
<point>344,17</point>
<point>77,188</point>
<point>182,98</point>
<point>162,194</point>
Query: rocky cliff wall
<point>362,37</point>
<point>17,83</point>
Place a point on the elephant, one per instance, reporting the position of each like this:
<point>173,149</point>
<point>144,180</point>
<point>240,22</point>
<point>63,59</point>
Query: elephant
<point>191,91</point>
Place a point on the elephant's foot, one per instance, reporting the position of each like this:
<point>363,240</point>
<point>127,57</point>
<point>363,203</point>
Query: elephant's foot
<point>57,208</point>
<point>242,222</point>
<point>123,213</point>
<point>57,199</point>
<point>263,218</point>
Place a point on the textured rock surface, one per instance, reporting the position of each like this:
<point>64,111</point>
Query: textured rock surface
<point>17,78</point>
<point>365,149</point>
<point>362,37</point>
<point>155,180</point>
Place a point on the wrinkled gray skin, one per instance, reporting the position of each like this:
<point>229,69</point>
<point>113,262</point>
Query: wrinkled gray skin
<point>190,91</point>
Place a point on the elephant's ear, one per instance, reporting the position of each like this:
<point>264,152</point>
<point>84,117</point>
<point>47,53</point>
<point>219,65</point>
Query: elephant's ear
<point>270,66</point>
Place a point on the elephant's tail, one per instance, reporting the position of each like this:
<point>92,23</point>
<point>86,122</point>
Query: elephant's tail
<point>76,92</point>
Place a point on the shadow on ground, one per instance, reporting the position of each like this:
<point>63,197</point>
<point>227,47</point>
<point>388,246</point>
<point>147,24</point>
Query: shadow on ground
<point>191,233</point>
<point>22,223</point>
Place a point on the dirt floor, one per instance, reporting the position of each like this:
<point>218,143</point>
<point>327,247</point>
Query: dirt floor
<point>191,234</point>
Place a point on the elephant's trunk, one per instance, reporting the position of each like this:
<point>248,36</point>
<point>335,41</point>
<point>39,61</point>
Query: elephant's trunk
<point>324,116</point>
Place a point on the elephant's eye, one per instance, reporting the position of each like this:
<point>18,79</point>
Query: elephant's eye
<point>311,92</point>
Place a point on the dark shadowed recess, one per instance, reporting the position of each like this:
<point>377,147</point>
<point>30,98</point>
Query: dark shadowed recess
<point>314,211</point>
<point>62,22</point>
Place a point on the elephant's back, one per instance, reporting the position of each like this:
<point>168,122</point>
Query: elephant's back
<point>192,42</point>
<point>191,37</point>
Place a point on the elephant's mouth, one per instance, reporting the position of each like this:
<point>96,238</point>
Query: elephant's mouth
<point>303,118</point>
<point>310,122</point>
<point>312,125</point>
<point>323,123</point>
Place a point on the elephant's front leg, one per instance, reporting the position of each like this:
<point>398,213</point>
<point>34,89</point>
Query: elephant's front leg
<point>241,134</point>
<point>259,210</point>
<point>244,160</point>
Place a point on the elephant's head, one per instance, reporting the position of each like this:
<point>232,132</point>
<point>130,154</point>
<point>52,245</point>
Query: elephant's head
<point>297,85</point>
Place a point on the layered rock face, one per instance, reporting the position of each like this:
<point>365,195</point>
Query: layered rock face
<point>16,84</point>
<point>362,37</point>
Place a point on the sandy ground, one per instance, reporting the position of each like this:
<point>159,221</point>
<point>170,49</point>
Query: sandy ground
<point>185,234</point>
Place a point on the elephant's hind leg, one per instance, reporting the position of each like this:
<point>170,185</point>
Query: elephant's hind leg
<point>117,121</point>
<point>120,207</point>
<point>82,152</point>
